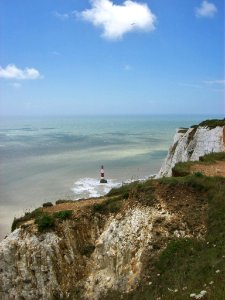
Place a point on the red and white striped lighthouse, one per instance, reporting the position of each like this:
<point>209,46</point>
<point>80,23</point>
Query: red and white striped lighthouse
<point>102,172</point>
<point>102,175</point>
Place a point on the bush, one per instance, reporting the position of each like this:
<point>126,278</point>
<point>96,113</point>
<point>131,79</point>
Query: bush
<point>210,123</point>
<point>28,216</point>
<point>87,250</point>
<point>198,174</point>
<point>45,221</point>
<point>64,214</point>
<point>182,130</point>
<point>111,205</point>
<point>63,201</point>
<point>47,204</point>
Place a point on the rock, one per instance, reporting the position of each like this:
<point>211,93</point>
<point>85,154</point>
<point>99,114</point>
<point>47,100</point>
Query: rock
<point>103,181</point>
<point>192,144</point>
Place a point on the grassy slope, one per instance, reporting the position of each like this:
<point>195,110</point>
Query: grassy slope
<point>183,169</point>
<point>211,123</point>
<point>186,265</point>
<point>189,266</point>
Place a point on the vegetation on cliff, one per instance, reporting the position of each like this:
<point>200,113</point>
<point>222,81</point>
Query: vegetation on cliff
<point>212,123</point>
<point>185,168</point>
<point>174,268</point>
<point>188,266</point>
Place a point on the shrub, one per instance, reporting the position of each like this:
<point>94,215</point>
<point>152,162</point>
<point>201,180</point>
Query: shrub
<point>28,216</point>
<point>87,250</point>
<point>45,221</point>
<point>198,174</point>
<point>111,205</point>
<point>183,130</point>
<point>63,201</point>
<point>47,204</point>
<point>212,123</point>
<point>99,208</point>
<point>181,169</point>
<point>64,214</point>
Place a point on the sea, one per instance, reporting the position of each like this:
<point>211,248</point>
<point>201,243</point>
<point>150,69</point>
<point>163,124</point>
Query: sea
<point>50,158</point>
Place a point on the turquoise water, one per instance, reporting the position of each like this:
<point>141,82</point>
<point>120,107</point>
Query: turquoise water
<point>49,158</point>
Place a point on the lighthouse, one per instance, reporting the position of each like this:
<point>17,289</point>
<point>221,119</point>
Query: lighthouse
<point>102,175</point>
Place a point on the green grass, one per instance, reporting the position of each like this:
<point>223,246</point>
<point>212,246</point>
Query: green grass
<point>189,262</point>
<point>63,201</point>
<point>212,157</point>
<point>210,123</point>
<point>43,220</point>
<point>64,214</point>
<point>182,130</point>
<point>111,205</point>
<point>115,199</point>
<point>123,190</point>
<point>183,168</point>
<point>47,221</point>
<point>28,216</point>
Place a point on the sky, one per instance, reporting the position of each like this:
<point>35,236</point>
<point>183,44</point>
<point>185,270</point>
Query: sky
<point>68,57</point>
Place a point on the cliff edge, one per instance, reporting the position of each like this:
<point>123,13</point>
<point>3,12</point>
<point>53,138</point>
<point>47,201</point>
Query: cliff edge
<point>191,143</point>
<point>102,246</point>
<point>159,239</point>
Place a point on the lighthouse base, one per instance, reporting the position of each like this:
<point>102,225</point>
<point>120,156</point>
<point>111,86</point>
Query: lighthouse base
<point>103,180</point>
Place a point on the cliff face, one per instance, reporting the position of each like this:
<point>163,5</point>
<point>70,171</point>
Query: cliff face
<point>111,244</point>
<point>87,256</point>
<point>191,144</point>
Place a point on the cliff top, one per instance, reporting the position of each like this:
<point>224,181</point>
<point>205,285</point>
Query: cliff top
<point>173,265</point>
<point>212,164</point>
<point>159,238</point>
<point>212,123</point>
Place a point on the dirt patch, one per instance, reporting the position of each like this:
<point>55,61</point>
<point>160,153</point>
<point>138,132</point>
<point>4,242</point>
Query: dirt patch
<point>216,169</point>
<point>188,205</point>
<point>76,206</point>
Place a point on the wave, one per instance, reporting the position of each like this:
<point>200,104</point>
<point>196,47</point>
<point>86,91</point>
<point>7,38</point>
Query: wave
<point>91,187</point>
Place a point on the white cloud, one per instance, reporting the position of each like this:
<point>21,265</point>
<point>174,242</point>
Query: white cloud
<point>117,20</point>
<point>12,72</point>
<point>61,16</point>
<point>191,85</point>
<point>217,81</point>
<point>207,9</point>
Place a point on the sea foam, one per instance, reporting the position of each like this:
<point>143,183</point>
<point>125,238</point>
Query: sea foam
<point>91,187</point>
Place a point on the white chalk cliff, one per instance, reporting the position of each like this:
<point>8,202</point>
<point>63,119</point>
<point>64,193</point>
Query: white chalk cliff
<point>189,145</point>
<point>60,264</point>
<point>94,252</point>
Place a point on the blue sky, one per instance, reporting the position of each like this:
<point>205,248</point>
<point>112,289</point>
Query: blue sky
<point>111,57</point>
